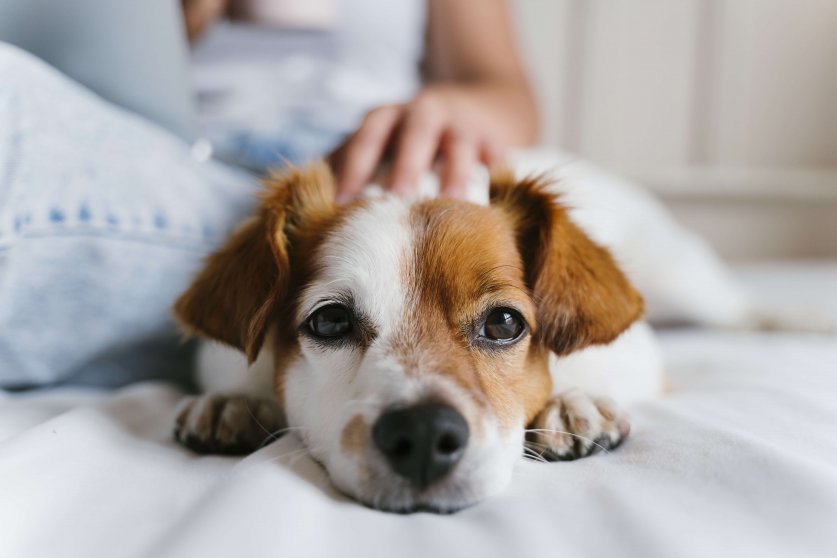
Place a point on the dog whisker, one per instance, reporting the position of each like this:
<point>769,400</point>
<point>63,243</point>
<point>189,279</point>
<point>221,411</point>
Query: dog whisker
<point>255,418</point>
<point>275,435</point>
<point>532,443</point>
<point>533,455</point>
<point>277,458</point>
<point>579,436</point>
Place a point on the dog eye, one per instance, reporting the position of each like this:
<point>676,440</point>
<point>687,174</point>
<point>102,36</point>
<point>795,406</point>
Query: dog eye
<point>502,325</point>
<point>331,321</point>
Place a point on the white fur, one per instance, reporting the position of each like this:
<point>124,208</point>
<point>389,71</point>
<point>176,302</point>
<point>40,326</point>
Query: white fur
<point>222,369</point>
<point>365,258</point>
<point>628,370</point>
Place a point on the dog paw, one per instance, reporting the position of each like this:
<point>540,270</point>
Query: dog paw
<point>227,424</point>
<point>574,425</point>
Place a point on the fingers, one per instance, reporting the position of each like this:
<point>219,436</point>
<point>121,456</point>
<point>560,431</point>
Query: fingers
<point>365,149</point>
<point>418,144</point>
<point>417,132</point>
<point>491,154</point>
<point>460,154</point>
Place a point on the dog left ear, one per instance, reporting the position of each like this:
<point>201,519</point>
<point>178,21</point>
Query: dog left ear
<point>581,295</point>
<point>244,282</point>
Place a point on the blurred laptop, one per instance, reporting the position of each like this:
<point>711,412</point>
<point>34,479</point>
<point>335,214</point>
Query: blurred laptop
<point>131,52</point>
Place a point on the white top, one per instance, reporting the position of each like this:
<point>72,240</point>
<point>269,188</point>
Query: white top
<point>297,90</point>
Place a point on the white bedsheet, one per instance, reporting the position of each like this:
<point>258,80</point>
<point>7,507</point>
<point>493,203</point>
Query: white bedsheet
<point>740,459</point>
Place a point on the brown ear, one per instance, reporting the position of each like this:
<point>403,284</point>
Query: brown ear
<point>243,283</point>
<point>581,295</point>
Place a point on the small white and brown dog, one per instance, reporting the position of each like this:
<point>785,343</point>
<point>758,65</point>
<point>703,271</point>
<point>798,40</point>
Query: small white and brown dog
<point>417,347</point>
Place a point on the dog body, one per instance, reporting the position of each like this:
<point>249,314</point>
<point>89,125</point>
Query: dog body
<point>416,346</point>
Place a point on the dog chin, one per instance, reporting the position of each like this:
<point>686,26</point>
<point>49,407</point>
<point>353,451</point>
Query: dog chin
<point>389,493</point>
<point>445,499</point>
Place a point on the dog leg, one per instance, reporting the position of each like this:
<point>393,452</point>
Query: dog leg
<point>227,424</point>
<point>574,425</point>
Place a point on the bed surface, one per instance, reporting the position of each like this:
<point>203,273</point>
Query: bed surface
<point>740,459</point>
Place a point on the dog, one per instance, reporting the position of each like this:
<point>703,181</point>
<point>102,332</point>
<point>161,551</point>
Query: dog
<point>417,347</point>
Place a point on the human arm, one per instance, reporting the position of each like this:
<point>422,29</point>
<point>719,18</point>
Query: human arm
<point>475,104</point>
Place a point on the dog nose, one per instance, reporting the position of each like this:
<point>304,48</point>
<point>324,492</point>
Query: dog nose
<point>421,443</point>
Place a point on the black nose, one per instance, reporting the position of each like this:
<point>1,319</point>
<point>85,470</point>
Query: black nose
<point>421,443</point>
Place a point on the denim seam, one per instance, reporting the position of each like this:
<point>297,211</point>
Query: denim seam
<point>194,243</point>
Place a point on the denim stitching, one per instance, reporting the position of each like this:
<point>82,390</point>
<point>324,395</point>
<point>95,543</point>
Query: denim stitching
<point>194,243</point>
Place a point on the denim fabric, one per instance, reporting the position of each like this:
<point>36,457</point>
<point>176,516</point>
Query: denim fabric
<point>104,218</point>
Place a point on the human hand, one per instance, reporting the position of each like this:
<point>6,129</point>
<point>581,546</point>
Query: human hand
<point>451,123</point>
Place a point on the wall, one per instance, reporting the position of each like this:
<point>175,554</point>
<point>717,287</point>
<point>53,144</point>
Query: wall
<point>726,108</point>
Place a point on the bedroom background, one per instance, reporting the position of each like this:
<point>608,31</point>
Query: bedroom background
<point>726,109</point>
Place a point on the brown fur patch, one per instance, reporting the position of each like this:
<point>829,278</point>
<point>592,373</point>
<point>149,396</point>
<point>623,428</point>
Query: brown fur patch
<point>232,296</point>
<point>583,298</point>
<point>285,353</point>
<point>250,283</point>
<point>465,263</point>
<point>353,439</point>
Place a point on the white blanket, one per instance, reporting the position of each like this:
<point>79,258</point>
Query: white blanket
<point>740,459</point>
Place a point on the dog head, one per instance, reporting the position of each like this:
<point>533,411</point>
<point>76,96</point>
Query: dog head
<point>411,339</point>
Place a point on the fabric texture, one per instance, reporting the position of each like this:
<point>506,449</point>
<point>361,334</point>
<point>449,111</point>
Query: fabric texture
<point>739,459</point>
<point>103,220</point>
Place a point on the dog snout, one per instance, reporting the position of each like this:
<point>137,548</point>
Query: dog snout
<point>422,443</point>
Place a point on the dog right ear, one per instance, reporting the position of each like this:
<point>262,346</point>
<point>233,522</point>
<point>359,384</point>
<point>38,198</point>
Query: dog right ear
<point>242,284</point>
<point>582,296</point>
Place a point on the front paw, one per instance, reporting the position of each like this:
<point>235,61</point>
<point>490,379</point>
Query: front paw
<point>227,424</point>
<point>574,425</point>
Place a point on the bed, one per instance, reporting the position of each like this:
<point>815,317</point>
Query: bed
<point>739,459</point>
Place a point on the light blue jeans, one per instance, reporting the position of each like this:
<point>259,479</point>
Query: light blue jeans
<point>104,218</point>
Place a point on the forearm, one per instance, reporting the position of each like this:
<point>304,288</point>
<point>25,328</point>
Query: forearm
<point>473,53</point>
